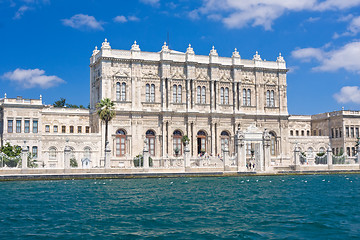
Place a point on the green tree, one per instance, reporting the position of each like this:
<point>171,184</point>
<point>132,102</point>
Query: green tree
<point>106,111</point>
<point>60,103</point>
<point>73,163</point>
<point>11,152</point>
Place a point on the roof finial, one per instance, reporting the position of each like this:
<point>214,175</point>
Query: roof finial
<point>135,46</point>
<point>280,58</point>
<point>190,50</point>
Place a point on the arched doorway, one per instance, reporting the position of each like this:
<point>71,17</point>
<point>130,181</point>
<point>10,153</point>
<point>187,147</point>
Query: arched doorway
<point>150,135</point>
<point>177,146</point>
<point>201,142</point>
<point>120,143</point>
<point>273,144</point>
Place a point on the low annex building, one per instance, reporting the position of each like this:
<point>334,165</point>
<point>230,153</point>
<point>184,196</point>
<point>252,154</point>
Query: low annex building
<point>163,96</point>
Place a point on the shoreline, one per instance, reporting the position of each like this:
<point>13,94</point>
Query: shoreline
<point>83,176</point>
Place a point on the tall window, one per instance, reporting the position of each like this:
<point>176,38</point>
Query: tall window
<point>201,141</point>
<point>224,139</point>
<point>347,131</point>
<point>150,92</point>
<point>79,129</point>
<point>71,129</point>
<point>147,92</point>
<point>203,95</point>
<point>352,130</point>
<point>174,93</point>
<point>118,93</point>
<point>10,126</point>
<point>272,100</point>
<point>35,126</point>
<point>26,126</point>
<point>123,91</point>
<point>120,143</point>
<point>47,128</point>
<point>63,129</point>
<point>18,126</point>
<point>198,92</point>
<point>87,129</point>
<point>177,146</point>
<point>35,151</point>
<point>55,128</point>
<point>268,98</point>
<point>179,93</point>
<point>150,135</point>
<point>246,97</point>
<point>222,95</point>
<point>226,96</point>
<point>273,143</point>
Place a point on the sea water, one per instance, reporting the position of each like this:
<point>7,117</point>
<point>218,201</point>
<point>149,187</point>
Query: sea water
<point>277,207</point>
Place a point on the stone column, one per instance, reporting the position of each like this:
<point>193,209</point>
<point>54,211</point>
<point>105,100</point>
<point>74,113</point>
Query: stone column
<point>24,156</point>
<point>329,157</point>
<point>67,152</point>
<point>266,146</point>
<point>297,157</point>
<point>226,156</point>
<point>241,154</point>
<point>187,156</point>
<point>146,155</point>
<point>107,156</point>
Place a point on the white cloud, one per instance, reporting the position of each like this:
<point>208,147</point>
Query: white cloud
<point>32,78</point>
<point>346,57</point>
<point>154,3</point>
<point>133,18</point>
<point>120,19</point>
<point>123,19</point>
<point>82,21</point>
<point>242,13</point>
<point>348,94</point>
<point>20,12</point>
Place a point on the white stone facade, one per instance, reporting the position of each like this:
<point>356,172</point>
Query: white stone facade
<point>163,96</point>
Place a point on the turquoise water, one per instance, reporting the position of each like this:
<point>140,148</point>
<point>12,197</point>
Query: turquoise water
<point>281,207</point>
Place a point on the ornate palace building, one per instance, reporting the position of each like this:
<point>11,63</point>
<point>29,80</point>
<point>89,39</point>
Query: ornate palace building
<point>163,96</point>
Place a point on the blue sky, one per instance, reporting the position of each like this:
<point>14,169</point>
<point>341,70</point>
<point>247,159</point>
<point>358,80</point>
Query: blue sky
<point>46,44</point>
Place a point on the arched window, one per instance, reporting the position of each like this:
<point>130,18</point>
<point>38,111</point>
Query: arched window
<point>179,93</point>
<point>87,152</point>
<point>272,143</point>
<point>177,146</point>
<point>268,98</point>
<point>225,137</point>
<point>203,95</point>
<point>123,91</point>
<point>120,143</point>
<point>198,92</point>
<point>226,95</point>
<point>248,98</point>
<point>272,100</point>
<point>152,93</point>
<point>201,141</point>
<point>150,135</point>
<point>222,95</point>
<point>147,93</point>
<point>118,91</point>
<point>291,133</point>
<point>174,93</point>
<point>52,153</point>
<point>244,97</point>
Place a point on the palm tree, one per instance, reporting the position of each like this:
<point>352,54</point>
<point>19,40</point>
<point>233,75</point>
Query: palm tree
<point>106,112</point>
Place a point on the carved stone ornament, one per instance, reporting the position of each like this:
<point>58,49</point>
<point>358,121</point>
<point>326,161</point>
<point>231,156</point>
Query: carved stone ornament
<point>135,47</point>
<point>235,54</point>
<point>190,50</point>
<point>280,58</point>
<point>213,52</point>
<point>257,57</point>
<point>105,45</point>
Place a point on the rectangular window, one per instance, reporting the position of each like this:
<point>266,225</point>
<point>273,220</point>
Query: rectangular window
<point>87,129</point>
<point>347,131</point>
<point>79,129</point>
<point>302,133</point>
<point>55,128</point>
<point>308,132</point>
<point>352,132</point>
<point>340,132</point>
<point>332,133</point>
<point>71,129</point>
<point>348,151</point>
<point>297,133</point>
<point>353,151</point>
<point>314,132</point>
<point>35,126</point>
<point>47,128</point>
<point>357,132</point>
<point>63,129</point>
<point>10,126</point>
<point>35,151</point>
<point>336,133</point>
<point>27,126</point>
<point>18,126</point>
<point>319,132</point>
